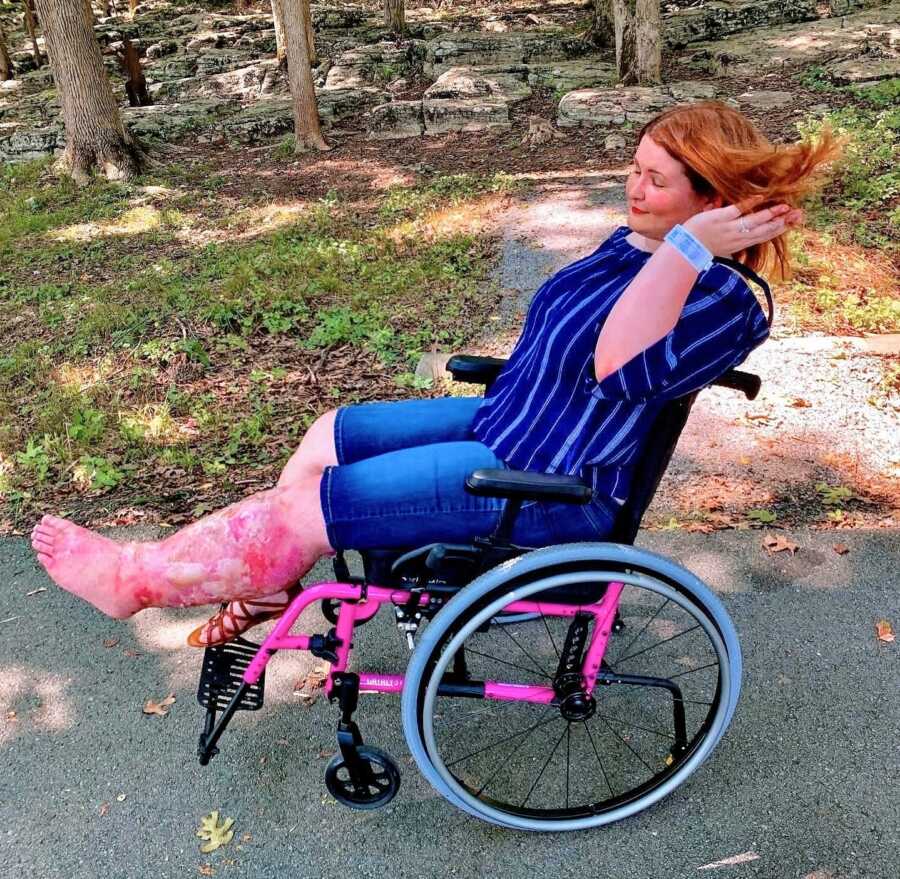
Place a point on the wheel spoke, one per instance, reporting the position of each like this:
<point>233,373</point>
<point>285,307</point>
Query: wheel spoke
<point>505,762</point>
<point>644,629</point>
<point>510,664</point>
<point>505,630</point>
<point>546,763</point>
<point>690,671</point>
<point>655,732</point>
<point>549,633</point>
<point>622,740</point>
<point>520,732</point>
<point>587,729</point>
<point>659,644</point>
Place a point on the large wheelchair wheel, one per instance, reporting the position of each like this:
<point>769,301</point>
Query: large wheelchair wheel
<point>665,694</point>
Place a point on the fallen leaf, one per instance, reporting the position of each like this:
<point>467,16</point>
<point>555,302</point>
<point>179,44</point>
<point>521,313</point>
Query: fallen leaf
<point>246,838</point>
<point>216,834</point>
<point>104,809</point>
<point>132,653</point>
<point>10,716</point>
<point>778,543</point>
<point>110,642</point>
<point>841,548</point>
<point>700,527</point>
<point>744,460</point>
<point>884,631</point>
<point>161,708</point>
<point>800,403</point>
<point>206,870</point>
<point>730,862</point>
<point>120,798</point>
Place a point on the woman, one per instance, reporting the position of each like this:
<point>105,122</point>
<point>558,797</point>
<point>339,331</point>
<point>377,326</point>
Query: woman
<point>645,318</point>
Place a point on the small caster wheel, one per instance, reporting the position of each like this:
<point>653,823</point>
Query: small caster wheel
<point>618,625</point>
<point>379,781</point>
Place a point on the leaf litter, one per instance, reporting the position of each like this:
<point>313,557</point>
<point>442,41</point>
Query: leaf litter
<point>161,708</point>
<point>216,834</point>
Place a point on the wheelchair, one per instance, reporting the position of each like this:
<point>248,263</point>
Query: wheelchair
<point>549,689</point>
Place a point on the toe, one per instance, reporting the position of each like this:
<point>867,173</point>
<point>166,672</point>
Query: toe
<point>42,544</point>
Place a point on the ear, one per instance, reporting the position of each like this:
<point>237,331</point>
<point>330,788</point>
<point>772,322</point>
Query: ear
<point>715,202</point>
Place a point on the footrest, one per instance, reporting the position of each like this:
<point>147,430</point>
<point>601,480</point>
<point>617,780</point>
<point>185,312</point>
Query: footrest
<point>222,675</point>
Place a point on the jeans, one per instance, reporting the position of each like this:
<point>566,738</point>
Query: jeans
<point>400,483</point>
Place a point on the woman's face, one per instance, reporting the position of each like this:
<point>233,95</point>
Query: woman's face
<point>659,193</point>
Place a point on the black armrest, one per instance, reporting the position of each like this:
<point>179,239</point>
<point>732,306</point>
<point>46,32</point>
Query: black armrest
<point>740,381</point>
<point>475,370</point>
<point>522,485</point>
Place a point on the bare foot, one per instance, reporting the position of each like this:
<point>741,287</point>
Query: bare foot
<point>87,565</point>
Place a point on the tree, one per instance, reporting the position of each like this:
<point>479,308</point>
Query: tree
<point>395,16</point>
<point>32,33</point>
<point>278,18</point>
<point>601,31</point>
<point>6,69</point>
<point>95,136</point>
<point>638,40</point>
<point>307,130</point>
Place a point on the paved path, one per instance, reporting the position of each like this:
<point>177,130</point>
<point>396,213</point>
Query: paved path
<point>806,777</point>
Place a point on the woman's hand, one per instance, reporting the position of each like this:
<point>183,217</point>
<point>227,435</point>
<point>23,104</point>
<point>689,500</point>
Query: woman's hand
<point>730,230</point>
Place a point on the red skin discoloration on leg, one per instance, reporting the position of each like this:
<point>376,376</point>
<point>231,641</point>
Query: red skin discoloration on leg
<point>249,550</point>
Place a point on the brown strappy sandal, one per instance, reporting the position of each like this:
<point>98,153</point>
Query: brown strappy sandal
<point>226,624</point>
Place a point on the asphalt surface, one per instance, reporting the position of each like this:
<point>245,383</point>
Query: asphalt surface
<point>806,777</point>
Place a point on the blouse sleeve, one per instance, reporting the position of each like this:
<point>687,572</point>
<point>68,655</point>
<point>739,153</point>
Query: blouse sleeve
<point>716,331</point>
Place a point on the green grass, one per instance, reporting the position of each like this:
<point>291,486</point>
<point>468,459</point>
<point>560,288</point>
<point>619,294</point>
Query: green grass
<point>139,349</point>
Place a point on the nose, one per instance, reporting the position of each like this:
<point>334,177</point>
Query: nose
<point>634,188</point>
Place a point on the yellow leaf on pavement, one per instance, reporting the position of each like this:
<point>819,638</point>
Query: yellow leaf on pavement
<point>884,631</point>
<point>216,834</point>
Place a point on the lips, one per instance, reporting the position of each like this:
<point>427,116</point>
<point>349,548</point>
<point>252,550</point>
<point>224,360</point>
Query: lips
<point>635,210</point>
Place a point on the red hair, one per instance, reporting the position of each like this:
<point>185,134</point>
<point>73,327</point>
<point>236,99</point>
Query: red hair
<point>725,154</point>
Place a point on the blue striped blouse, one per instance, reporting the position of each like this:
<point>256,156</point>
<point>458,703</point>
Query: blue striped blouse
<point>546,411</point>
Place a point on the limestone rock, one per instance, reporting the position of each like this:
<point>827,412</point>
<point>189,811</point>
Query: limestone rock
<point>178,66</point>
<point>446,114</point>
<point>221,60</point>
<point>261,120</point>
<point>614,142</point>
<point>160,49</point>
<point>613,106</point>
<point>23,145</point>
<point>692,91</point>
<point>765,99</point>
<point>473,49</point>
<point>170,121</point>
<point>569,75</point>
<point>396,119</point>
<point>338,105</point>
<point>465,83</point>
<point>864,69</point>
<point>716,20</point>
<point>366,65</point>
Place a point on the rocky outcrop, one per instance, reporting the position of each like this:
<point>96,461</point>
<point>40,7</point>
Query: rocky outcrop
<point>476,49</point>
<point>622,105</point>
<point>376,64</point>
<point>712,21</point>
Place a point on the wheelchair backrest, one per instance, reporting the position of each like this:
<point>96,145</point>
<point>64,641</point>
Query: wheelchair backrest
<point>651,465</point>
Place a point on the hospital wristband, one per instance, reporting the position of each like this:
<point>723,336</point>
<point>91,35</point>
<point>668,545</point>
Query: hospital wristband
<point>690,248</point>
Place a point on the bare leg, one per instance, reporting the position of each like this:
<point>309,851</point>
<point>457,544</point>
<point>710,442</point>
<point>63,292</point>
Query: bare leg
<point>251,549</point>
<point>315,453</point>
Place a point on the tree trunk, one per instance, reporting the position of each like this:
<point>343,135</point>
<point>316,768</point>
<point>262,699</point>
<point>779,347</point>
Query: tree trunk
<point>278,18</point>
<point>310,39</point>
<point>132,7</point>
<point>29,25</point>
<point>602,32</point>
<point>307,132</point>
<point>638,40</point>
<point>648,38</point>
<point>95,136</point>
<point>6,69</point>
<point>395,16</point>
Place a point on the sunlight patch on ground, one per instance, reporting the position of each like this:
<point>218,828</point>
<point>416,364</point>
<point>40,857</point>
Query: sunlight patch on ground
<point>135,221</point>
<point>82,376</point>
<point>155,425</point>
<point>29,698</point>
<point>470,218</point>
<point>266,218</point>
